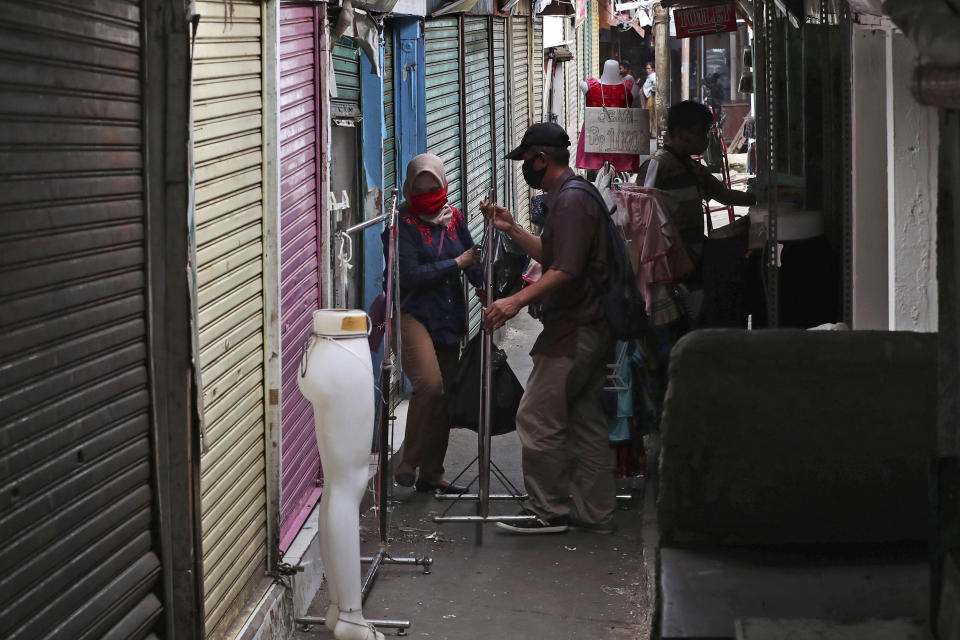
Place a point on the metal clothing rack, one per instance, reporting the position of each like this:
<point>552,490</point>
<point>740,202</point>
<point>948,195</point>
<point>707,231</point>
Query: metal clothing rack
<point>485,464</point>
<point>382,486</point>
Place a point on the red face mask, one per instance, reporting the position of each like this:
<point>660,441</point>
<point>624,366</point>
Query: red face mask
<point>428,204</point>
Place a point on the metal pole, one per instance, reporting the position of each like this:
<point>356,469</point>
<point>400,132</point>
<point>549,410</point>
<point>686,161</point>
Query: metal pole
<point>386,624</point>
<point>661,34</point>
<point>386,369</point>
<point>371,575</point>
<point>702,64</point>
<point>484,440</point>
<point>369,223</point>
<point>770,161</point>
<point>483,519</point>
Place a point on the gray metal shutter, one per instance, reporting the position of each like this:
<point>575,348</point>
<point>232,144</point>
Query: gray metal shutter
<point>301,237</point>
<point>228,139</point>
<point>442,44</point>
<point>520,75</point>
<point>501,72</point>
<point>537,70</point>
<point>77,509</point>
<point>478,165</point>
<point>389,140</point>
<point>583,66</point>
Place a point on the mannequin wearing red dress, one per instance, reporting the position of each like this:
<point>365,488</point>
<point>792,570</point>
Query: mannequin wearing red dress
<point>609,91</point>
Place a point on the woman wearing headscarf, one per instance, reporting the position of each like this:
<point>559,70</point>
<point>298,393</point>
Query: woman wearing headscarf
<point>434,245</point>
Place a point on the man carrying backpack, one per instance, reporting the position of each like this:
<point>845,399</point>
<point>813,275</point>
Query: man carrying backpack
<point>568,465</point>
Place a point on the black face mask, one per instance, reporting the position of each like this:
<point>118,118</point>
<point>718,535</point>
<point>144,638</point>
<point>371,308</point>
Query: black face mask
<point>531,176</point>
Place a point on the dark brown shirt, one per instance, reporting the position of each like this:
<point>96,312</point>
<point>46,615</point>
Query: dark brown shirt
<point>574,242</point>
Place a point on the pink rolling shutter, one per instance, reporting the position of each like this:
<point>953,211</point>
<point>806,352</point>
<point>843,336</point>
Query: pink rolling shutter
<point>300,238</point>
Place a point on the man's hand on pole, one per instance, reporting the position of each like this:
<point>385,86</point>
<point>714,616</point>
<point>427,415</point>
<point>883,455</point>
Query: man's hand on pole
<point>497,215</point>
<point>498,312</point>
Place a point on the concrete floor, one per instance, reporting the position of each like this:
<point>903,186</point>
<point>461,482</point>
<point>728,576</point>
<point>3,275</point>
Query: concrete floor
<point>486,584</point>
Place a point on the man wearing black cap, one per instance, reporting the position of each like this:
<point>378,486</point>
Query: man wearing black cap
<point>568,466</point>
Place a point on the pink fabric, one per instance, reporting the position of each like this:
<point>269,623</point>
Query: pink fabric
<point>654,240</point>
<point>610,95</point>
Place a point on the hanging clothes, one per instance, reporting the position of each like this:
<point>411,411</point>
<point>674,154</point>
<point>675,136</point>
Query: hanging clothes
<point>631,408</point>
<point>606,95</point>
<point>656,246</point>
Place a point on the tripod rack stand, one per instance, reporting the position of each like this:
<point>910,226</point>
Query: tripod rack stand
<point>382,486</point>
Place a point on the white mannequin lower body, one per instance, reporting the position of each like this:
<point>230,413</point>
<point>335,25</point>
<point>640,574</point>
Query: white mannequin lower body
<point>338,381</point>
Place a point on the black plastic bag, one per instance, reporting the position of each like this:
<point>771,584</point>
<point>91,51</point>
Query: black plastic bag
<point>463,401</point>
<point>509,264</point>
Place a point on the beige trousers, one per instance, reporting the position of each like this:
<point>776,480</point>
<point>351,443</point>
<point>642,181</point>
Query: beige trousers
<point>568,464</point>
<point>430,367</point>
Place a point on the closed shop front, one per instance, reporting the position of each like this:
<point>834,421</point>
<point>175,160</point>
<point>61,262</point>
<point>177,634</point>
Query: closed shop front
<point>80,557</point>
<point>228,139</point>
<point>442,51</point>
<point>346,171</point>
<point>301,238</point>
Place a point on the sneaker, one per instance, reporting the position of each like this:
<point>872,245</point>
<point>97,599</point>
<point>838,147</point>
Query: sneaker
<point>597,527</point>
<point>535,526</point>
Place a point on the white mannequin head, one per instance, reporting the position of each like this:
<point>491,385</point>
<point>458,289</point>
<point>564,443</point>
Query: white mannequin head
<point>611,73</point>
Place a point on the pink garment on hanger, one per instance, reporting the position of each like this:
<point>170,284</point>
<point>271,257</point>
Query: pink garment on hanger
<point>653,238</point>
<point>610,95</point>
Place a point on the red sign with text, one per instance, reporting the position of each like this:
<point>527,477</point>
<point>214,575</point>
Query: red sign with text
<point>701,21</point>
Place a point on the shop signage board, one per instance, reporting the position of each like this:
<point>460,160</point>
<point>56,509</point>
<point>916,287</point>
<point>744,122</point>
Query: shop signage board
<point>610,130</point>
<point>701,21</point>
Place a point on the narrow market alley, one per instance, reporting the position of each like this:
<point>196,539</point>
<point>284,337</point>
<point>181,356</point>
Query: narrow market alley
<point>576,585</point>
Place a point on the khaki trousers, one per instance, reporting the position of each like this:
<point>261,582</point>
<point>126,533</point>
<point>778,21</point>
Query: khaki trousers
<point>568,464</point>
<point>429,366</point>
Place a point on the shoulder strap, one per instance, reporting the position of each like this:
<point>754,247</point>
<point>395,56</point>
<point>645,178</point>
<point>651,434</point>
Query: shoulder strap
<point>580,184</point>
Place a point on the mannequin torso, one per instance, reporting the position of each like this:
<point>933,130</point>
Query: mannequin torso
<point>608,91</point>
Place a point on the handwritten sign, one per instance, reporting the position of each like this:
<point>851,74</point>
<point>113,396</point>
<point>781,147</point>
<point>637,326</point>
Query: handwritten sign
<point>701,21</point>
<point>609,130</point>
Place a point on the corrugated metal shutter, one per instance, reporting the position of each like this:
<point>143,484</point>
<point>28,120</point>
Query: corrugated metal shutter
<point>389,140</point>
<point>572,71</point>
<point>520,73</point>
<point>442,45</point>
<point>537,70</point>
<point>346,66</point>
<point>502,123</point>
<point>478,166</point>
<point>228,128</point>
<point>594,22</point>
<point>78,558</point>
<point>300,238</point>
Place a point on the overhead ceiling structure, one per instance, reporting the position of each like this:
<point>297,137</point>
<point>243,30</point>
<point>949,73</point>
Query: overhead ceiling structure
<point>934,27</point>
